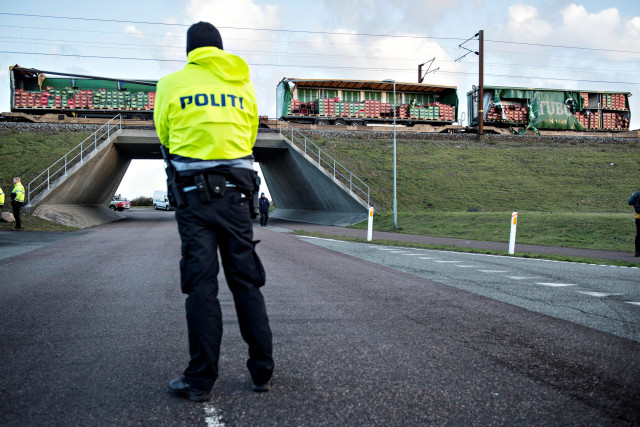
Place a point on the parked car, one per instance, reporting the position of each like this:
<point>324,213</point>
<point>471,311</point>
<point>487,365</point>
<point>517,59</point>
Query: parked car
<point>161,201</point>
<point>119,205</point>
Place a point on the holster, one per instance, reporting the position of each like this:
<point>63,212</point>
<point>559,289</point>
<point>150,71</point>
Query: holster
<point>173,191</point>
<point>210,186</point>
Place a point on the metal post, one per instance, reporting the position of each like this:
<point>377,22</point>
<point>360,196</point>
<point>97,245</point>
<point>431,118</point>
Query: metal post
<point>395,201</point>
<point>48,177</point>
<point>481,84</point>
<point>65,165</point>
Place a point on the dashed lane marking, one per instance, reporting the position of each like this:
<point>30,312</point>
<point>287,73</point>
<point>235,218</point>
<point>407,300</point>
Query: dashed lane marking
<point>556,285</point>
<point>412,254</point>
<point>466,266</point>
<point>521,277</point>
<point>633,302</point>
<point>492,271</point>
<point>597,294</point>
<point>448,262</point>
<point>426,257</point>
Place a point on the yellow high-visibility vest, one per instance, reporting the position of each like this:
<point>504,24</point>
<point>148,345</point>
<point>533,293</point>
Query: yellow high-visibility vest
<point>207,110</point>
<point>19,190</point>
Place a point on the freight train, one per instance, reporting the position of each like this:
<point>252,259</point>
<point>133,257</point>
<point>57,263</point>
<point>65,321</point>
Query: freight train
<point>365,102</point>
<point>37,96</point>
<point>553,109</point>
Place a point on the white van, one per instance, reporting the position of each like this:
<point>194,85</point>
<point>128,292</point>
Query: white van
<point>160,200</point>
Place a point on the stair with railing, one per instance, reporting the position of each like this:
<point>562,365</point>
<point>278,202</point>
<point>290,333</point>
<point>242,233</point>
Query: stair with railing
<point>76,155</point>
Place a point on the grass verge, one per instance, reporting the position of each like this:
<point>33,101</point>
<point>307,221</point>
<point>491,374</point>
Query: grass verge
<point>33,223</point>
<point>469,250</point>
<point>602,231</point>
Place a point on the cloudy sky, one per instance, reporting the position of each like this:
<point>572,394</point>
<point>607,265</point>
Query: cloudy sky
<point>578,44</point>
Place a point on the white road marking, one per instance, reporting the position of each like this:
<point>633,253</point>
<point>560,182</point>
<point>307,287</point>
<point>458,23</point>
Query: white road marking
<point>556,285</point>
<point>213,418</point>
<point>492,271</point>
<point>633,302</point>
<point>466,266</point>
<point>412,254</point>
<point>521,277</point>
<point>426,257</point>
<point>597,294</point>
<point>447,261</point>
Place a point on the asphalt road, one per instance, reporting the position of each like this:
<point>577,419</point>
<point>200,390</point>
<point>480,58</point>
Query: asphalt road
<point>93,328</point>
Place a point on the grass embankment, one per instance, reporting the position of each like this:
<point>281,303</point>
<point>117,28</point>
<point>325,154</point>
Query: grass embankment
<point>26,154</point>
<point>567,192</point>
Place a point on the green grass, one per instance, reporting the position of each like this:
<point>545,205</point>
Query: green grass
<point>568,192</point>
<point>27,154</point>
<point>468,250</point>
<point>602,231</point>
<point>33,223</point>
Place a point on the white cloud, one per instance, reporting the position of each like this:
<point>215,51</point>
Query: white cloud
<point>525,23</point>
<point>239,13</point>
<point>131,29</point>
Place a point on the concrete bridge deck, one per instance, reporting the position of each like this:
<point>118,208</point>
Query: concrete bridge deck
<point>300,189</point>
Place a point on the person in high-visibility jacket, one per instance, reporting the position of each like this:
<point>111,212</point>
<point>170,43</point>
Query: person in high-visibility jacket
<point>17,201</point>
<point>1,198</point>
<point>206,117</point>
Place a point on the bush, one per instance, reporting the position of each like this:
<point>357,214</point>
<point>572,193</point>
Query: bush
<point>142,201</point>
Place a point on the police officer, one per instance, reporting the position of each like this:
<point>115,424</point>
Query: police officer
<point>264,210</point>
<point>17,201</point>
<point>206,117</point>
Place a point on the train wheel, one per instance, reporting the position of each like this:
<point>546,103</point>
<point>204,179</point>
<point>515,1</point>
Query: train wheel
<point>322,122</point>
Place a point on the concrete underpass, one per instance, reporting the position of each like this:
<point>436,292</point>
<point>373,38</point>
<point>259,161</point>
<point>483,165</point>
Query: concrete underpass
<point>300,189</point>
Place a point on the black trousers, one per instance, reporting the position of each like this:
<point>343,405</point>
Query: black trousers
<point>16,212</point>
<point>264,217</point>
<point>638,235</point>
<point>223,224</point>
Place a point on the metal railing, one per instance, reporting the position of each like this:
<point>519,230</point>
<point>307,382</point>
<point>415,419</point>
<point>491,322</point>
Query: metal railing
<point>340,173</point>
<point>76,155</point>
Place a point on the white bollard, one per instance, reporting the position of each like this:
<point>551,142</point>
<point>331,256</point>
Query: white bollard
<point>370,228</point>
<point>512,239</point>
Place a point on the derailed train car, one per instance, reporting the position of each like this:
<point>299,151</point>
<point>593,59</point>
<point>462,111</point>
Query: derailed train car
<point>551,109</point>
<point>48,96</point>
<point>365,102</point>
<point>36,94</point>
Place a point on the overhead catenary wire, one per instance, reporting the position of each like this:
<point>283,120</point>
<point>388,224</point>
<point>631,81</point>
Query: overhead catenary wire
<point>298,42</point>
<point>315,32</point>
<point>259,64</point>
<point>162,47</point>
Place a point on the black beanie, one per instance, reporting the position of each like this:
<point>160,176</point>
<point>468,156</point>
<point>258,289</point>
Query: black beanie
<point>203,34</point>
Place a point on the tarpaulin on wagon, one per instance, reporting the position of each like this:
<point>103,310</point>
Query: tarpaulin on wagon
<point>283,95</point>
<point>554,110</point>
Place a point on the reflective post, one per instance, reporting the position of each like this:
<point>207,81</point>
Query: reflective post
<point>370,225</point>
<point>512,238</point>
